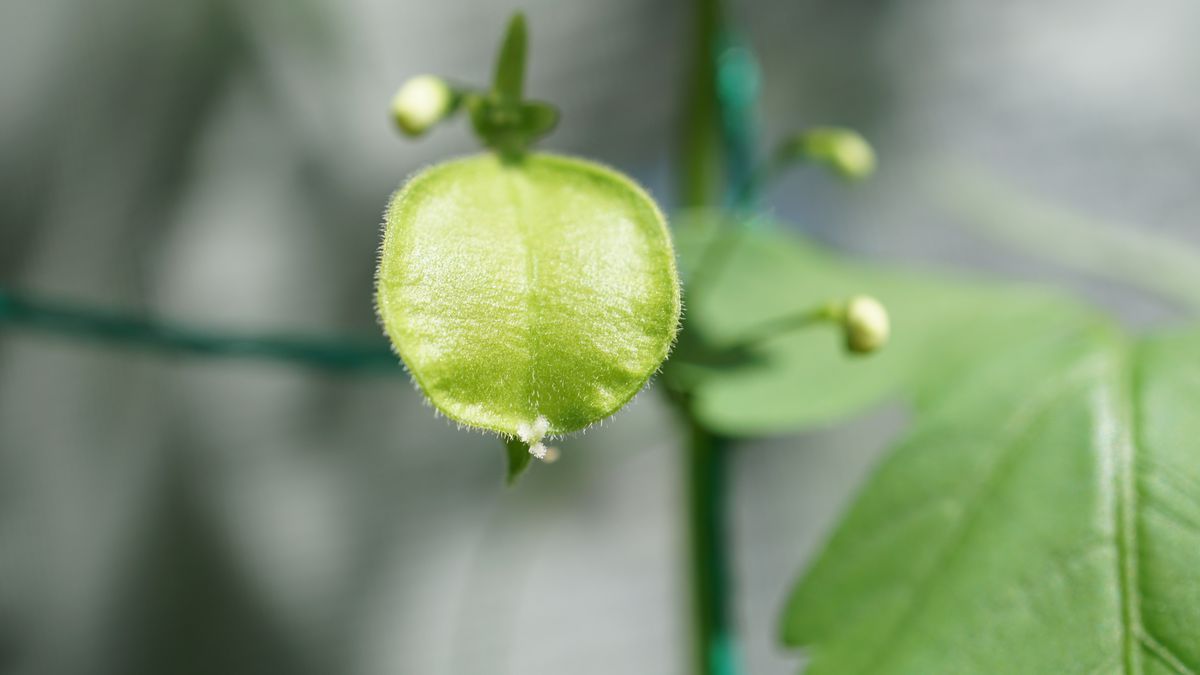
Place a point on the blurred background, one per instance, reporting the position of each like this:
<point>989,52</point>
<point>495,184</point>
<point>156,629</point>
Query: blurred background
<point>226,164</point>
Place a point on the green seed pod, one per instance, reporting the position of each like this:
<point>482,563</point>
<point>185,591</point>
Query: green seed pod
<point>421,103</point>
<point>865,321</point>
<point>531,296</point>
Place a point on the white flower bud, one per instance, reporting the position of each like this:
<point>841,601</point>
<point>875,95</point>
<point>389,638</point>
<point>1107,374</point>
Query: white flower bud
<point>421,103</point>
<point>866,324</point>
<point>843,150</point>
<point>852,156</point>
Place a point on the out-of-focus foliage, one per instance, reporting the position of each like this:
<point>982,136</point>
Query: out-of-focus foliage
<point>803,378</point>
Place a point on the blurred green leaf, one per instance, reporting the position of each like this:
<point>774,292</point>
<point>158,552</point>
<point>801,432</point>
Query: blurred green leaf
<point>755,274</point>
<point>538,119</point>
<point>510,128</point>
<point>1042,516</point>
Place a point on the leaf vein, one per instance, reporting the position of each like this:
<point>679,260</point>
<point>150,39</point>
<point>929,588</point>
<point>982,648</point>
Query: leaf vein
<point>1022,422</point>
<point>1164,654</point>
<point>1124,450</point>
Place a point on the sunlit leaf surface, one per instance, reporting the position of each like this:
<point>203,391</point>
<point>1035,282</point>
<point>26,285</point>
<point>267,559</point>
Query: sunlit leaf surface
<point>1041,516</point>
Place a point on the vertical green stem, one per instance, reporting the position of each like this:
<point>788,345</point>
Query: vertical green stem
<point>700,152</point>
<point>702,183</point>
<point>714,641</point>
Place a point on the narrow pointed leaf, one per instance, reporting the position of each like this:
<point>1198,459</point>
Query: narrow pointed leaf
<point>519,459</point>
<point>510,62</point>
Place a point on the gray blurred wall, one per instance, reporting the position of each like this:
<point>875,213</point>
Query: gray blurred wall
<point>226,163</point>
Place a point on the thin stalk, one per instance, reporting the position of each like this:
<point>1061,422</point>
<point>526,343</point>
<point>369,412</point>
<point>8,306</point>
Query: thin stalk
<point>714,644</point>
<point>1009,215</point>
<point>772,328</point>
<point>131,330</point>
<point>700,152</point>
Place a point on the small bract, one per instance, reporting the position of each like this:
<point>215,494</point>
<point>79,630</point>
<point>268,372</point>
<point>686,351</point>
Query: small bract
<point>530,296</point>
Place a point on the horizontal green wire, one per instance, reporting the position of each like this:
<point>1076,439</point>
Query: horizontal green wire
<point>138,332</point>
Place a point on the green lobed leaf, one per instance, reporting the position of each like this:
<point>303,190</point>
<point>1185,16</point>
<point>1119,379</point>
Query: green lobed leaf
<point>519,289</point>
<point>1042,516</point>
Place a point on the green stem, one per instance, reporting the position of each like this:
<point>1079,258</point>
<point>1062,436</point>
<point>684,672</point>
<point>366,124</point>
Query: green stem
<point>1005,213</point>
<point>701,185</point>
<point>829,312</point>
<point>715,645</point>
<point>126,329</point>
<point>700,154</point>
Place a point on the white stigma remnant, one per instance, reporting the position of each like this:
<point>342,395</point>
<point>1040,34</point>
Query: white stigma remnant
<point>532,435</point>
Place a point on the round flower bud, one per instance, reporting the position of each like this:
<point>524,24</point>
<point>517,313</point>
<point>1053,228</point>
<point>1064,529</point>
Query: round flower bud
<point>421,103</point>
<point>852,156</point>
<point>866,324</point>
<point>844,151</point>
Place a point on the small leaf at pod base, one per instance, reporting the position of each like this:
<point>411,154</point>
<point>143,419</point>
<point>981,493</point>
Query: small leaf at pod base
<point>519,458</point>
<point>530,296</point>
